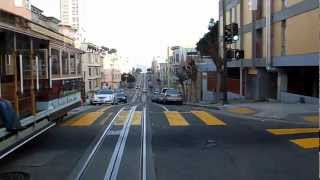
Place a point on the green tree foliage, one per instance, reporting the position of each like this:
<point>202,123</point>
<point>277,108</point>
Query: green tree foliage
<point>124,76</point>
<point>131,78</point>
<point>208,45</point>
<point>138,70</point>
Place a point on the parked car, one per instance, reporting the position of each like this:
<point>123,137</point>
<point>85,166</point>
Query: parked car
<point>122,97</point>
<point>161,95</point>
<point>104,96</point>
<point>155,96</point>
<point>172,95</point>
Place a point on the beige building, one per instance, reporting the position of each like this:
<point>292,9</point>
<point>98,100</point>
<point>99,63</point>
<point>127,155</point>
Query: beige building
<point>92,63</point>
<point>280,39</point>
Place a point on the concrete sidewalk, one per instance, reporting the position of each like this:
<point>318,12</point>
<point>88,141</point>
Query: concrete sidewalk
<point>308,113</point>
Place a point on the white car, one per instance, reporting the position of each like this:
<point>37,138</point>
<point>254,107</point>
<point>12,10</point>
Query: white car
<point>145,90</point>
<point>104,96</point>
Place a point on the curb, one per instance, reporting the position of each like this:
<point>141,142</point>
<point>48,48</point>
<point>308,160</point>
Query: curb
<point>206,106</point>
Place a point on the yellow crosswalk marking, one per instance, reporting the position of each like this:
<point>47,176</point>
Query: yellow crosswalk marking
<point>241,110</point>
<point>175,118</point>
<point>312,118</point>
<point>136,120</point>
<point>208,118</point>
<point>121,118</point>
<point>104,109</point>
<point>293,131</point>
<point>307,143</point>
<point>86,120</point>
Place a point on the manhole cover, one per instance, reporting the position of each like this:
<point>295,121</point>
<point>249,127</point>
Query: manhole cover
<point>14,176</point>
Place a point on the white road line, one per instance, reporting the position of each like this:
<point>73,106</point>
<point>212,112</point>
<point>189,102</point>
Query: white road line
<point>162,106</point>
<point>97,145</point>
<point>114,164</point>
<point>27,140</point>
<point>144,145</point>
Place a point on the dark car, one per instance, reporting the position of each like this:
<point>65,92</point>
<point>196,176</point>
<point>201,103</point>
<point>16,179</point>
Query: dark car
<point>122,97</point>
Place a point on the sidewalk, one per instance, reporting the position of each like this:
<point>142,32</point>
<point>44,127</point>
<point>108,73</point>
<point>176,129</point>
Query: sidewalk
<point>307,113</point>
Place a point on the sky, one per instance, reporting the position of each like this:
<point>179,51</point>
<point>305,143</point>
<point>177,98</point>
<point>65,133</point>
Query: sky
<point>141,29</point>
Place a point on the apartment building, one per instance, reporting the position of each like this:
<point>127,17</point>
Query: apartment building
<point>280,39</point>
<point>69,13</point>
<point>163,72</point>
<point>111,78</point>
<point>92,64</point>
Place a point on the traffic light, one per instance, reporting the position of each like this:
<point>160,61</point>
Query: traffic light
<point>239,54</point>
<point>227,34</point>
<point>231,33</point>
<point>234,54</point>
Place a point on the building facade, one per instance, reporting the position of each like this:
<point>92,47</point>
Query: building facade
<point>163,73</point>
<point>111,78</point>
<point>69,13</point>
<point>281,60</point>
<point>92,64</point>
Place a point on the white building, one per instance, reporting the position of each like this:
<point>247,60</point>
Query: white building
<point>69,13</point>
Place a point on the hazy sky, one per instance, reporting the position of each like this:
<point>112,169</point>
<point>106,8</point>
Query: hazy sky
<point>141,29</point>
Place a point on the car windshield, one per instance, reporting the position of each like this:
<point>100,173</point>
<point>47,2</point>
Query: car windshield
<point>172,91</point>
<point>120,94</point>
<point>104,92</point>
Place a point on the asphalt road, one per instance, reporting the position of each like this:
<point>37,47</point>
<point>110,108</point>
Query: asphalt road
<point>148,141</point>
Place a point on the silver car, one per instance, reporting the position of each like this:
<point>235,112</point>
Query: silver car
<point>172,95</point>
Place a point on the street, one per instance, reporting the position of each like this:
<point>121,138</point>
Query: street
<point>145,140</point>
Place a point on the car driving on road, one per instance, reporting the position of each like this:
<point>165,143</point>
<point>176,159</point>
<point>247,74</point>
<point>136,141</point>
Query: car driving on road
<point>171,95</point>
<point>104,96</point>
<point>121,97</point>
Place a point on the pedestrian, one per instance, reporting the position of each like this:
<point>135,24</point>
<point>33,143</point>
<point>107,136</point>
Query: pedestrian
<point>8,116</point>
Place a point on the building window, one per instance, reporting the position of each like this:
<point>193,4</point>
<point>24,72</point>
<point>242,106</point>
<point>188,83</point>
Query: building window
<point>90,73</point>
<point>259,44</point>
<point>65,63</point>
<point>78,64</point>
<point>55,62</point>
<point>72,64</point>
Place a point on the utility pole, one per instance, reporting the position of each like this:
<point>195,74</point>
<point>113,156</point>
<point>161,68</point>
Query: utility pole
<point>168,67</point>
<point>223,54</point>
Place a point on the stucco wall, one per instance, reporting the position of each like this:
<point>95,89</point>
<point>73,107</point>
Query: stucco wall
<point>303,33</point>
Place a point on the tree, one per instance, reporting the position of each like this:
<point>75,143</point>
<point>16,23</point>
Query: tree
<point>208,45</point>
<point>182,77</point>
<point>124,77</point>
<point>131,78</point>
<point>192,74</point>
<point>138,71</point>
